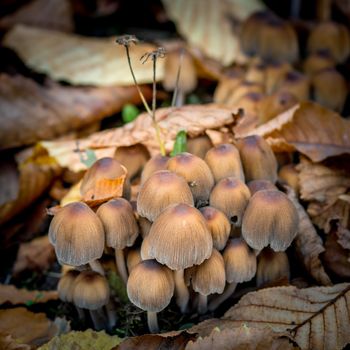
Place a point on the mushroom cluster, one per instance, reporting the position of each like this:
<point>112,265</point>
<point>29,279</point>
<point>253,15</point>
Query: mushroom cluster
<point>195,231</point>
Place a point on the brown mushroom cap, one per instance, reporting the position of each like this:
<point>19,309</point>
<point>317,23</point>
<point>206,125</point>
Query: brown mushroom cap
<point>133,258</point>
<point>196,173</point>
<point>218,225</point>
<point>179,238</point>
<point>199,145</point>
<point>91,290</point>
<point>119,223</point>
<point>77,234</point>
<point>259,162</point>
<point>289,174</point>
<point>259,185</point>
<point>270,219</point>
<point>224,161</point>
<point>209,277</point>
<point>240,261</point>
<point>150,286</point>
<point>66,285</point>
<point>145,226</point>
<point>297,84</point>
<point>162,189</point>
<point>155,163</point>
<point>230,195</point>
<point>317,61</point>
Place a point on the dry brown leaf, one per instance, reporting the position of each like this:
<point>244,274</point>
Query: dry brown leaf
<point>8,343</point>
<point>11,294</point>
<point>195,119</point>
<point>50,14</point>
<point>343,237</point>
<point>46,112</point>
<point>80,60</point>
<point>27,327</point>
<point>308,244</point>
<point>242,338</point>
<point>37,255</point>
<point>317,318</point>
<point>206,25</point>
<point>295,130</point>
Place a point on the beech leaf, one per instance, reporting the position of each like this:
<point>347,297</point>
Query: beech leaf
<point>8,343</point>
<point>316,318</point>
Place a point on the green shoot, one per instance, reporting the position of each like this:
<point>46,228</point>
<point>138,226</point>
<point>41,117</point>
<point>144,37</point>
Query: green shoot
<point>180,144</point>
<point>129,113</point>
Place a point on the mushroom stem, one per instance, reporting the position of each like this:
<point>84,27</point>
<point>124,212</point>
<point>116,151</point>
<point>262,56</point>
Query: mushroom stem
<point>111,314</point>
<point>81,313</point>
<point>202,304</point>
<point>257,251</point>
<point>97,267</point>
<point>215,303</point>
<point>98,319</point>
<point>152,321</point>
<point>121,267</point>
<point>181,290</point>
<point>180,98</point>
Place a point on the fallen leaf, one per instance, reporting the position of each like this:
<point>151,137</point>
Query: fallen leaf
<point>27,327</point>
<point>9,182</point>
<point>343,237</point>
<point>80,60</point>
<point>316,318</point>
<point>242,338</point>
<point>11,294</point>
<point>308,244</point>
<point>295,130</point>
<point>8,343</point>
<point>87,340</point>
<point>37,255</point>
<point>46,112</point>
<point>50,14</point>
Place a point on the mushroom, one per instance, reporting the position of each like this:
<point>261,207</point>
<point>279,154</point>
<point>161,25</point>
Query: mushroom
<point>296,84</point>
<point>207,278</point>
<point>150,287</point>
<point>230,195</point>
<point>249,103</point>
<point>162,189</point>
<point>272,266</point>
<point>199,145</point>
<point>133,258</point>
<point>274,74</point>
<point>179,238</point>
<point>78,236</point>
<point>270,219</point>
<point>290,175</point>
<point>196,173</point>
<point>259,162</point>
<point>155,163</point>
<point>317,61</point>
<point>144,225</point>
<point>259,185</point>
<point>243,89</point>
<point>91,292</point>
<point>121,229</point>
<point>224,161</point>
<point>240,266</point>
<point>218,224</point>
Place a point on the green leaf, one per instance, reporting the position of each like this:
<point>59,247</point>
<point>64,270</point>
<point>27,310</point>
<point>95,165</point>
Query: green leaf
<point>88,158</point>
<point>180,143</point>
<point>129,113</point>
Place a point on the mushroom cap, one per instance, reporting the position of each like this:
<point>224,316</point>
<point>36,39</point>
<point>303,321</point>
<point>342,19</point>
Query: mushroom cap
<point>199,145</point>
<point>150,286</point>
<point>196,173</point>
<point>259,162</point>
<point>270,219</point>
<point>289,174</point>
<point>224,161</point>
<point>133,258</point>
<point>230,195</point>
<point>259,185</point>
<point>295,83</point>
<point>91,290</point>
<point>155,163</point>
<point>240,261</point>
<point>243,89</point>
<point>317,61</point>
<point>144,225</point>
<point>208,277</point>
<point>271,266</point>
<point>77,234</point>
<point>179,238</point>
<point>218,225</point>
<point>162,189</point>
<point>66,285</point>
<point>119,223</point>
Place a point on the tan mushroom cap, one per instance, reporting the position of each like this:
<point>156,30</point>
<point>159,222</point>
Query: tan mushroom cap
<point>297,84</point>
<point>224,161</point>
<point>218,225</point>
<point>162,189</point>
<point>196,172</point>
<point>259,162</point>
<point>91,290</point>
<point>259,185</point>
<point>240,261</point>
<point>318,61</point>
<point>155,163</point>
<point>119,223</point>
<point>150,286</point>
<point>270,219</point>
<point>77,234</point>
<point>289,174</point>
<point>144,225</point>
<point>209,277</point>
<point>230,195</point>
<point>133,258</point>
<point>199,145</point>
<point>179,238</point>
<point>66,285</point>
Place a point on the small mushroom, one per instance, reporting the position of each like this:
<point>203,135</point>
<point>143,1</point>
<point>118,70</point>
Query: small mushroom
<point>155,163</point>
<point>162,189</point>
<point>196,173</point>
<point>297,84</point>
<point>150,287</point>
<point>133,258</point>
<point>199,145</point>
<point>259,185</point>
<point>224,161</point>
<point>270,219</point>
<point>121,229</point>
<point>290,175</point>
<point>318,61</point>
<point>230,195</point>
<point>144,225</point>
